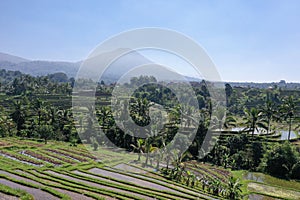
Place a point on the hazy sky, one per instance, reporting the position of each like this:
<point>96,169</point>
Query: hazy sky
<point>255,40</point>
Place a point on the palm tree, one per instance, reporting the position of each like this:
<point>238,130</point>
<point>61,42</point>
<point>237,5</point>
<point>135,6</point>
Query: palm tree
<point>147,149</point>
<point>230,121</point>
<point>233,188</point>
<point>288,109</point>
<point>39,107</point>
<point>138,147</point>
<point>254,120</point>
<point>269,111</point>
<point>158,155</point>
<point>167,152</point>
<point>19,116</point>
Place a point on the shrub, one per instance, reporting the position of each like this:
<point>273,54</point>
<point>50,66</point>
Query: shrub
<point>280,160</point>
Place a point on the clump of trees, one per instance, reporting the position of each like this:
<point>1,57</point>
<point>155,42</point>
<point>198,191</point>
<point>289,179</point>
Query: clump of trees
<point>36,107</point>
<point>282,160</point>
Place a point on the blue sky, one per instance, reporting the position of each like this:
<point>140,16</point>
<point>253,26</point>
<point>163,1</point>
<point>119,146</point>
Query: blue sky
<point>255,40</point>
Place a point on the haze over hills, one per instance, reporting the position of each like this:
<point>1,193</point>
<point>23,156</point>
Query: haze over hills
<point>12,59</point>
<point>37,68</point>
<point>115,71</point>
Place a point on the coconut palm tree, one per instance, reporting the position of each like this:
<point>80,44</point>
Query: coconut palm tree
<point>158,155</point>
<point>147,147</point>
<point>254,120</point>
<point>19,115</point>
<point>138,147</point>
<point>269,112</point>
<point>288,109</point>
<point>39,107</point>
<point>230,121</point>
<point>166,152</point>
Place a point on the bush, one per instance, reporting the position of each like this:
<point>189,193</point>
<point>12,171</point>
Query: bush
<point>281,160</point>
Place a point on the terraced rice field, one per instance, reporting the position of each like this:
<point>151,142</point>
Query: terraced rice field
<point>30,170</point>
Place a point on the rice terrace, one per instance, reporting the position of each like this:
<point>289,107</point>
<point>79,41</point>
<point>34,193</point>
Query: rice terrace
<point>42,156</point>
<point>120,100</point>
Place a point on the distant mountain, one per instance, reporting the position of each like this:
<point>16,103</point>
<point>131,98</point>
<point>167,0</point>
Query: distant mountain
<point>114,72</point>
<point>130,64</point>
<point>37,68</point>
<point>11,59</point>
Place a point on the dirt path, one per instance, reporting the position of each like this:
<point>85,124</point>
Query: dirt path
<point>98,185</point>
<point>38,194</point>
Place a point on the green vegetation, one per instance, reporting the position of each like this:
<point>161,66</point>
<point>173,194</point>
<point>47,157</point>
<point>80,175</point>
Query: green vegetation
<point>15,192</point>
<point>42,147</point>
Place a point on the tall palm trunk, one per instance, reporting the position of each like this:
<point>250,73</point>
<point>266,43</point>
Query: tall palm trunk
<point>139,156</point>
<point>290,128</point>
<point>147,145</point>
<point>168,163</point>
<point>253,130</point>
<point>269,126</point>
<point>158,162</point>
